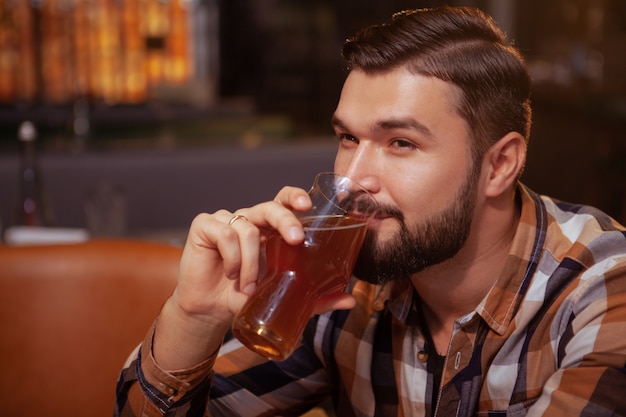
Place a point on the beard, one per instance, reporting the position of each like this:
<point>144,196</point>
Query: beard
<point>413,249</point>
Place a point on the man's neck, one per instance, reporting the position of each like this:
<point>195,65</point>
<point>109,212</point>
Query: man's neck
<point>457,286</point>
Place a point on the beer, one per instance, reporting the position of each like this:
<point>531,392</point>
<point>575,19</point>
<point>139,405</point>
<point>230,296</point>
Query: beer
<point>272,321</point>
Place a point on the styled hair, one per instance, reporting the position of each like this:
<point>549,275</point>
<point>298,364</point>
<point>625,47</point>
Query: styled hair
<point>464,47</point>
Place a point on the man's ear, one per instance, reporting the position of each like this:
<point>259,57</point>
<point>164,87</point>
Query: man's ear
<point>504,162</point>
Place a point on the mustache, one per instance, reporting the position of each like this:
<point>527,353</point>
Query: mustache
<point>359,204</point>
<point>388,210</point>
<point>356,204</point>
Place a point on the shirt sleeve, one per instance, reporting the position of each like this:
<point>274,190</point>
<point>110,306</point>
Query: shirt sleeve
<point>144,389</point>
<point>235,382</point>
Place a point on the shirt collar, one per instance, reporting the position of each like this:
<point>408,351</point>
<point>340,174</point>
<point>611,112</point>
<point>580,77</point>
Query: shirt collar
<point>501,302</point>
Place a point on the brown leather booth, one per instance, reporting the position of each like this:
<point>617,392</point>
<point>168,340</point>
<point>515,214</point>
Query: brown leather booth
<point>70,315</point>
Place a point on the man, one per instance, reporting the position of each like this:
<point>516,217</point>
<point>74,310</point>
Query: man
<point>475,296</point>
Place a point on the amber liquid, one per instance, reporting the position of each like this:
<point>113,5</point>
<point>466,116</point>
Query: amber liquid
<point>273,320</point>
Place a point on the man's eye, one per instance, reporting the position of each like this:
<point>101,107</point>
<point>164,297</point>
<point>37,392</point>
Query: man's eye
<point>401,143</point>
<point>347,138</point>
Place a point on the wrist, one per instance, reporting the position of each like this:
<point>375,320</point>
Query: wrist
<point>182,340</point>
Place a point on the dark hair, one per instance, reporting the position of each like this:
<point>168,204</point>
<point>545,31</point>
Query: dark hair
<point>460,45</point>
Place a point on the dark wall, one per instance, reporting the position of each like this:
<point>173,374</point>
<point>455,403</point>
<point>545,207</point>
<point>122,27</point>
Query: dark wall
<point>167,189</point>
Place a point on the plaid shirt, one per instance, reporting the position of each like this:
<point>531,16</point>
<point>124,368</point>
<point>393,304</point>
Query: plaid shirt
<point>549,339</point>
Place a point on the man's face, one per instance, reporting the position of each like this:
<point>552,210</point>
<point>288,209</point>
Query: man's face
<point>418,246</point>
<point>401,136</point>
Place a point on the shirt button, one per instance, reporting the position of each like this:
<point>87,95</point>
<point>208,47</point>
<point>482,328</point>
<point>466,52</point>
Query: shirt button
<point>422,356</point>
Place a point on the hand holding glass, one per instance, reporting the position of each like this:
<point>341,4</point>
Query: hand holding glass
<point>274,317</point>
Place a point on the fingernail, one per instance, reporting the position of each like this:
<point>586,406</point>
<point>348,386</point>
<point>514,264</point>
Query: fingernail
<point>295,233</point>
<point>249,289</point>
<point>301,201</point>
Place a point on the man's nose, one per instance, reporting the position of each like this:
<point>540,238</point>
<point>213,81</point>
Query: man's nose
<point>361,168</point>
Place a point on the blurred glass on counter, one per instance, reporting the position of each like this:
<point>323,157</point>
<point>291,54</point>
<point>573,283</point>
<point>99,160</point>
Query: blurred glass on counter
<point>105,210</point>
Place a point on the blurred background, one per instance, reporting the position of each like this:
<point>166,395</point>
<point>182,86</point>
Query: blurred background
<point>147,112</point>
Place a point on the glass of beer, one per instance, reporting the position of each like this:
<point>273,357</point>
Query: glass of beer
<point>273,319</point>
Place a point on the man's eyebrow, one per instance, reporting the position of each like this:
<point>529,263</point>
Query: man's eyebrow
<point>336,122</point>
<point>390,124</point>
<point>408,123</point>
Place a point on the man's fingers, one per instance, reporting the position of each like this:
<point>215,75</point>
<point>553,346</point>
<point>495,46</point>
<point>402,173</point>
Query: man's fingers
<point>246,268</point>
<point>293,197</point>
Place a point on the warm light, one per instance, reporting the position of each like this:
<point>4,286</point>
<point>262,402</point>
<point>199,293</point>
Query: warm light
<point>113,51</point>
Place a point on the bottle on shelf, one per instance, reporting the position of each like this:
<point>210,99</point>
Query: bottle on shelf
<point>31,208</point>
<point>33,221</point>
